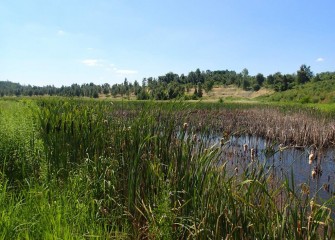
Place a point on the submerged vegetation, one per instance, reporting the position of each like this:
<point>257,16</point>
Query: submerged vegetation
<point>73,168</point>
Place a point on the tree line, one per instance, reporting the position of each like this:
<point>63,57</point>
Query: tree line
<point>172,85</point>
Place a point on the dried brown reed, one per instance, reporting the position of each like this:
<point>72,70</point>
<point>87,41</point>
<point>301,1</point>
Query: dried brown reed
<point>293,128</point>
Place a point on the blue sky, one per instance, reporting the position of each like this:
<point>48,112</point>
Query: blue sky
<point>61,42</point>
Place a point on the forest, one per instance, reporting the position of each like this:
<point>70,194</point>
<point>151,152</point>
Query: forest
<point>190,86</point>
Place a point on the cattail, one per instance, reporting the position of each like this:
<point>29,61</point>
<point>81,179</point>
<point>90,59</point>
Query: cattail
<point>185,126</point>
<point>252,154</point>
<point>194,138</point>
<point>245,148</point>
<point>282,147</point>
<point>104,211</point>
<point>310,221</point>
<point>299,228</point>
<point>311,157</point>
<point>313,174</point>
<point>310,218</point>
<point>222,141</point>
<point>305,188</point>
<point>236,169</point>
<point>326,187</point>
<point>311,204</point>
<point>318,171</point>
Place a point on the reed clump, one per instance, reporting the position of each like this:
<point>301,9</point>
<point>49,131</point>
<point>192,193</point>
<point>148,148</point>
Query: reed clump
<point>291,128</point>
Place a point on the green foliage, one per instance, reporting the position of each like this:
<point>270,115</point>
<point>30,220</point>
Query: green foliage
<point>139,170</point>
<point>321,90</point>
<point>142,94</point>
<point>304,74</point>
<point>209,85</point>
<point>173,86</point>
<point>260,79</point>
<point>20,146</point>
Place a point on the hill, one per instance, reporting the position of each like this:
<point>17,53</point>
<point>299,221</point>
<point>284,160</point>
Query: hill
<point>320,90</point>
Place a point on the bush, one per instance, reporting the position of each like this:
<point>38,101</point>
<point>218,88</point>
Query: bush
<point>256,87</point>
<point>305,99</point>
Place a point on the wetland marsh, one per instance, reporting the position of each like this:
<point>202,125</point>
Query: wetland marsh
<point>75,168</point>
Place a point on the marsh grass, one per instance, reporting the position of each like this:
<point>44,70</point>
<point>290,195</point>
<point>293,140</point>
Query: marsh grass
<point>20,145</point>
<point>136,171</point>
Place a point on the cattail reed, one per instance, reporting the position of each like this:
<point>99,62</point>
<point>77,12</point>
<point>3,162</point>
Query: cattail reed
<point>298,128</point>
<point>311,157</point>
<point>326,187</point>
<point>305,189</point>
<point>313,174</point>
<point>299,229</point>
<point>317,171</point>
<point>245,148</point>
<point>252,154</point>
<point>309,223</point>
<point>222,142</point>
<point>312,205</point>
<point>151,181</point>
<point>194,138</point>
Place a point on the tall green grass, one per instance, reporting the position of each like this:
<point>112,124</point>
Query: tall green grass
<point>134,171</point>
<point>20,145</point>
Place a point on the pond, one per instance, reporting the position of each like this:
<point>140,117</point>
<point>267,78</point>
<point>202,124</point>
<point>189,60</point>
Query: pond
<point>284,162</point>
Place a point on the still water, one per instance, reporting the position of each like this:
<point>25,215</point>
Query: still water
<point>284,162</point>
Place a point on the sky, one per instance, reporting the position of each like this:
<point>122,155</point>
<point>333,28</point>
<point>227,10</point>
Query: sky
<point>61,42</point>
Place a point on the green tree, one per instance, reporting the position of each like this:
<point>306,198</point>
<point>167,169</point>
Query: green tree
<point>175,90</point>
<point>304,74</point>
<point>142,94</point>
<point>270,80</point>
<point>209,84</point>
<point>95,94</point>
<point>245,73</point>
<point>199,94</point>
<point>106,88</point>
<point>245,79</point>
<point>260,79</point>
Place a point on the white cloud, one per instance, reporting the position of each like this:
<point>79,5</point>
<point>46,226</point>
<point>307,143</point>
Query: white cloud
<point>125,71</point>
<point>320,59</point>
<point>60,33</point>
<point>92,62</point>
<point>110,67</point>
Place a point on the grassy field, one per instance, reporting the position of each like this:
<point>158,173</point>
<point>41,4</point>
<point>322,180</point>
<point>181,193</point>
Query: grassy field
<point>96,169</point>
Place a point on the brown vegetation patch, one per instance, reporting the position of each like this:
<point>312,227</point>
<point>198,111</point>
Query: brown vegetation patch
<point>232,91</point>
<point>288,128</point>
